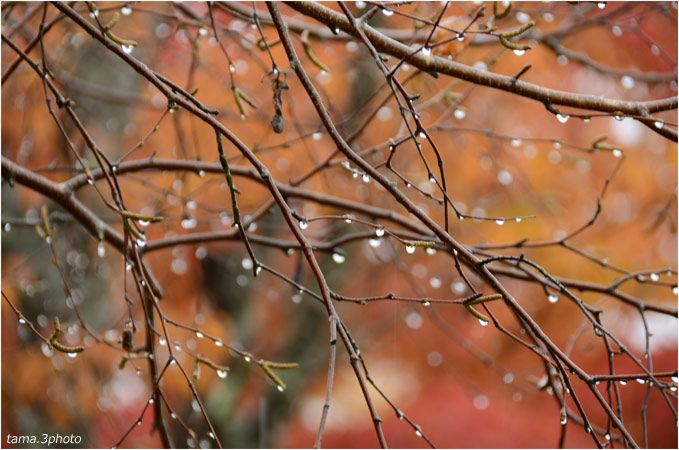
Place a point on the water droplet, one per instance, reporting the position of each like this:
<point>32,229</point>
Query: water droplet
<point>387,12</point>
<point>144,223</point>
<point>418,432</point>
<point>601,5</point>
<point>675,290</point>
<point>500,222</point>
<point>72,354</point>
<point>151,400</point>
<point>366,178</point>
<point>189,223</point>
<point>607,436</point>
<point>222,373</point>
<point>246,263</point>
<point>460,113</point>
<point>374,243</point>
<point>128,267</point>
<point>518,219</point>
<point>617,152</point>
<point>618,117</point>
<point>410,249</point>
<point>22,321</point>
<point>202,31</point>
<point>247,358</point>
<point>8,226</point>
<point>127,48</point>
<point>94,14</point>
<point>598,331</point>
<point>623,382</point>
<point>519,52</point>
<point>379,232</point>
<point>338,258</point>
<point>659,124</point>
<point>516,142</point>
<point>303,224</point>
<point>426,51</point>
<point>655,277</point>
<point>173,415</point>
<point>101,250</point>
<point>232,67</point>
<point>563,118</point>
<point>588,429</point>
<point>126,10</point>
<point>178,347</point>
<point>162,340</point>
<point>460,37</point>
<point>483,322</point>
<point>480,65</point>
<point>141,243</point>
<point>553,298</point>
<point>138,422</point>
<point>641,381</point>
<point>219,343</point>
<point>199,335</point>
<point>317,136</point>
<point>431,251</point>
<point>427,302</point>
<point>564,417</point>
<point>258,270</point>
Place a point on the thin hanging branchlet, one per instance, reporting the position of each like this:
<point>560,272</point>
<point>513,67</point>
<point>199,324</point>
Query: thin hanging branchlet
<point>234,203</point>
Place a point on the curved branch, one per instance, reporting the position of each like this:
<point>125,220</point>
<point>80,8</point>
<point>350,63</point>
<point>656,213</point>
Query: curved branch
<point>436,64</point>
<point>63,196</point>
